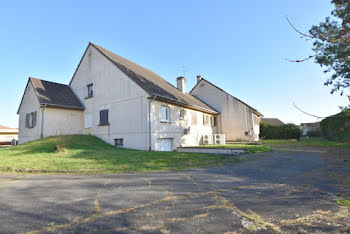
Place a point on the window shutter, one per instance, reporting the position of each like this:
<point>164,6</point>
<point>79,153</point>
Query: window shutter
<point>27,120</point>
<point>103,117</point>
<point>34,119</point>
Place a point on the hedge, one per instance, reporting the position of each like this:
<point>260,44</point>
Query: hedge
<point>337,127</point>
<point>287,131</point>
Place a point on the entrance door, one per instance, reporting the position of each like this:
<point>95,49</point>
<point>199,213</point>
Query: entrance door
<point>164,144</point>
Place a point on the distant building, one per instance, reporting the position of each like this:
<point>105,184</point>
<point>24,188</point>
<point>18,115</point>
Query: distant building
<point>307,127</point>
<point>7,135</point>
<point>272,121</point>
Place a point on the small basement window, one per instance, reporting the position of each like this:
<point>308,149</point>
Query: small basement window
<point>165,114</point>
<point>90,88</point>
<point>103,117</point>
<point>119,142</point>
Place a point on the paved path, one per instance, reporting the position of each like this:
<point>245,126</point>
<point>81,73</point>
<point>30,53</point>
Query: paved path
<point>283,191</point>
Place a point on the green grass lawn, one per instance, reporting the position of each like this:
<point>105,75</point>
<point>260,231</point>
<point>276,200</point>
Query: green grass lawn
<point>311,141</point>
<point>251,148</point>
<point>85,154</point>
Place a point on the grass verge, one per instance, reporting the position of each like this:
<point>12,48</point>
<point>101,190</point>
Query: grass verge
<point>311,141</point>
<point>251,148</point>
<point>89,154</point>
<point>343,201</point>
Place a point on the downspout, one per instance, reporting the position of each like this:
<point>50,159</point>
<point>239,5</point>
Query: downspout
<point>246,119</point>
<point>42,122</point>
<point>150,123</point>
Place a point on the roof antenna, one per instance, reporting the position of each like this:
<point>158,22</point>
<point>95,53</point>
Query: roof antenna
<point>183,70</point>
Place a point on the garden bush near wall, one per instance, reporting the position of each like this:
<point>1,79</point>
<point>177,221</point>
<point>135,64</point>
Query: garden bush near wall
<point>337,127</point>
<point>287,131</point>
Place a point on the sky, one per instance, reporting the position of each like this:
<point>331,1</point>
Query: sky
<point>241,46</point>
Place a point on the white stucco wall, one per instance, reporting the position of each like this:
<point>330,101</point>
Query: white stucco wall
<point>128,107</point>
<point>175,129</point>
<point>62,122</point>
<point>56,121</point>
<point>236,117</point>
<point>113,90</point>
<point>29,104</point>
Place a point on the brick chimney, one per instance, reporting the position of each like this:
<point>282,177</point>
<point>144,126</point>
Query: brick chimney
<point>181,83</point>
<point>199,77</point>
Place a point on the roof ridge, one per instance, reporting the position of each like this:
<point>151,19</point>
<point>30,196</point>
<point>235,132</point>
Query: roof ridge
<point>47,81</point>
<point>226,93</point>
<point>149,81</point>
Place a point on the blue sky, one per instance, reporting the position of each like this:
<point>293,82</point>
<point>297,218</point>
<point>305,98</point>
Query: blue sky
<point>239,45</point>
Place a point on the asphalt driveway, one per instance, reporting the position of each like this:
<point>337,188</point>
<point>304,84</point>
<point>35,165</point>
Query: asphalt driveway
<point>288,190</point>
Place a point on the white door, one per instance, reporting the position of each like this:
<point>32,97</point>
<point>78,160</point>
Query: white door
<point>164,144</point>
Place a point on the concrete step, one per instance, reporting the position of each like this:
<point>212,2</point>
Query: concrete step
<point>206,150</point>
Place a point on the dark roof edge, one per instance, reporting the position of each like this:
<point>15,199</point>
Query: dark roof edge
<point>255,111</point>
<point>193,107</point>
<point>62,106</point>
<point>121,67</point>
<point>25,90</point>
<point>79,64</point>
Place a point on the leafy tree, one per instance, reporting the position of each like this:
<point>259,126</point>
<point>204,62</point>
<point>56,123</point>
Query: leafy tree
<point>332,46</point>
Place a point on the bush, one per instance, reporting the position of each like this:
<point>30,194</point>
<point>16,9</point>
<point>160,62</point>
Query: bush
<point>314,133</point>
<point>287,131</point>
<point>337,127</point>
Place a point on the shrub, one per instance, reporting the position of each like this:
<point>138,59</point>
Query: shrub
<point>337,127</point>
<point>287,131</point>
<point>314,133</point>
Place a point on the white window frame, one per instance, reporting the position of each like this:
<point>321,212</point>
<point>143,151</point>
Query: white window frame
<point>182,114</point>
<point>88,120</point>
<point>90,94</point>
<point>165,114</point>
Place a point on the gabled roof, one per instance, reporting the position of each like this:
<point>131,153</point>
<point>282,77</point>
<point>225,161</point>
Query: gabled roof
<point>152,83</point>
<point>255,111</point>
<point>272,121</point>
<point>53,94</point>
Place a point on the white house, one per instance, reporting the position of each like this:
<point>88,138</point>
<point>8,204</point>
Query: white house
<point>118,101</point>
<point>239,121</point>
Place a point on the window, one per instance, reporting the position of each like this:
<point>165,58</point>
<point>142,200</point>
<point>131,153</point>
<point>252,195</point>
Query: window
<point>90,90</point>
<point>213,121</point>
<point>103,117</point>
<point>31,120</point>
<point>209,120</point>
<point>88,120</point>
<point>182,114</point>
<point>165,114</point>
<point>206,120</point>
<point>194,118</point>
<point>119,142</point>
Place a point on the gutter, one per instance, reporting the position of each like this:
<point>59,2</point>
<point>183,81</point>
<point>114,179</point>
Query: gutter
<point>150,123</point>
<point>42,122</point>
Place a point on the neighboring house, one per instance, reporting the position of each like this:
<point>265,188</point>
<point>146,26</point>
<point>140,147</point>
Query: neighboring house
<point>272,121</point>
<point>307,127</point>
<point>118,101</point>
<point>7,135</point>
<point>238,121</point>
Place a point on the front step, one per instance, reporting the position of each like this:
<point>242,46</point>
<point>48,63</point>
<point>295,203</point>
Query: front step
<point>206,150</point>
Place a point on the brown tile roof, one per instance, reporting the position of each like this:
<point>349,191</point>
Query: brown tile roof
<point>55,95</point>
<point>152,83</point>
<point>272,121</point>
